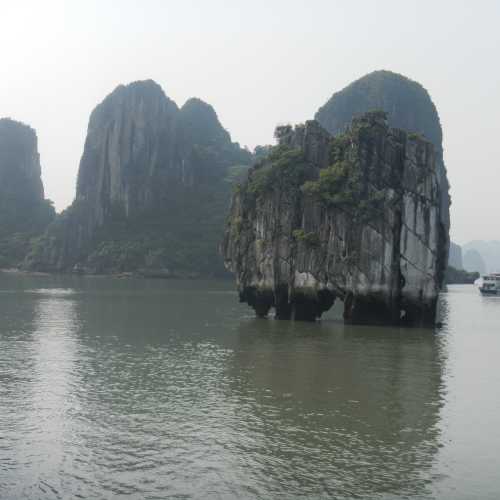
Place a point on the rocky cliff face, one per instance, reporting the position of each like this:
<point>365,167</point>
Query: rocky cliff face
<point>20,170</point>
<point>151,188</point>
<point>23,209</point>
<point>355,217</point>
<point>130,151</point>
<point>408,107</point>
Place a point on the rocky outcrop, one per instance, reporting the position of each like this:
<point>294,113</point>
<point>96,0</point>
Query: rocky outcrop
<point>355,217</point>
<point>24,212</point>
<point>408,107</point>
<point>152,188</point>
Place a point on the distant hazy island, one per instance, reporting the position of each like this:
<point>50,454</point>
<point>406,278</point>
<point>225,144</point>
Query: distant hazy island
<point>352,206</point>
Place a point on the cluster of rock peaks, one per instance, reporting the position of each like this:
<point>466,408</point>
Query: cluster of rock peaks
<point>152,189</point>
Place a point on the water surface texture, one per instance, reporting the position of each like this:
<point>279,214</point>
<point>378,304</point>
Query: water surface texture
<point>123,388</point>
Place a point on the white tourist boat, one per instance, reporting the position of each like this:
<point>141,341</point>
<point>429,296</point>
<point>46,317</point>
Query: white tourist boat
<point>490,284</point>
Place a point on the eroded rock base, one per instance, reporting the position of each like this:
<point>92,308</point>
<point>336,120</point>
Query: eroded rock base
<point>309,305</point>
<point>377,310</point>
<point>300,305</point>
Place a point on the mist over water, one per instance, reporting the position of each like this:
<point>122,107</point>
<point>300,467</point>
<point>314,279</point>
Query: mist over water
<point>116,388</point>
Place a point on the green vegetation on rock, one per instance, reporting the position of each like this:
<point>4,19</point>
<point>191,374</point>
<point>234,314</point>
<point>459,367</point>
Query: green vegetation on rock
<point>338,185</point>
<point>342,184</point>
<point>284,166</point>
<point>406,102</point>
<point>355,216</point>
<point>310,240</point>
<point>409,107</point>
<point>153,199</point>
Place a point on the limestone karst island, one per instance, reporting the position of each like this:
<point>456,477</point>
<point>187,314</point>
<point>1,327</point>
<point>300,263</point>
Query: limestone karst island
<point>357,210</point>
<point>249,250</point>
<point>350,206</point>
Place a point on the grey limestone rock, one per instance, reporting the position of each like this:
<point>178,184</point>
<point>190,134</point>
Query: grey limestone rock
<point>20,171</point>
<point>355,217</point>
<point>408,106</point>
<point>151,188</point>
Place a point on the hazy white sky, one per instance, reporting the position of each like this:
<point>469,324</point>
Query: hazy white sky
<point>258,63</point>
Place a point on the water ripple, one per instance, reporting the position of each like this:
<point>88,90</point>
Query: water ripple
<point>180,394</point>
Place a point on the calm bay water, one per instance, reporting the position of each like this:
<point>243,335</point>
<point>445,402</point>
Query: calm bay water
<point>141,389</point>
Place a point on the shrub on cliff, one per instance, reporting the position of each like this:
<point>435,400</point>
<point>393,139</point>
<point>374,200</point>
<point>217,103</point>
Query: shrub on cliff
<point>310,240</point>
<point>284,166</point>
<point>342,184</point>
<point>406,102</point>
<point>338,185</point>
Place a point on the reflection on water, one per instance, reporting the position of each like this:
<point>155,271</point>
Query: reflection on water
<point>154,389</point>
<point>347,410</point>
<point>37,398</point>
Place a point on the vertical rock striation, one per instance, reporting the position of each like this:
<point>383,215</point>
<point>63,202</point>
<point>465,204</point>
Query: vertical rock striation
<point>355,217</point>
<point>408,107</point>
<point>129,153</point>
<point>152,189</point>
